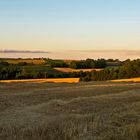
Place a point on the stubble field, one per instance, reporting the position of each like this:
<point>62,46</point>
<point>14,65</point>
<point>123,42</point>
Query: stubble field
<point>64,111</point>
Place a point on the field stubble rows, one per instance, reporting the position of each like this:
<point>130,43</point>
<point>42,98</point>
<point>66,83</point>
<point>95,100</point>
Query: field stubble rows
<point>80,111</point>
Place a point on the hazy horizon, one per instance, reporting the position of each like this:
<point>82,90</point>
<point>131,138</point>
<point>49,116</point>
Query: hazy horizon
<point>68,27</point>
<point>74,54</point>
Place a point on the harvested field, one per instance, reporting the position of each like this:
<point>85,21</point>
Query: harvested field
<point>70,111</point>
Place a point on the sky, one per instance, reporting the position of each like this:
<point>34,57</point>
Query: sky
<point>69,25</point>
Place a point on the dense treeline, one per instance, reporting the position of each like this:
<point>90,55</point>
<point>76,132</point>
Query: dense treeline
<point>82,64</point>
<point>128,69</point>
<point>56,63</point>
<point>8,71</point>
<point>88,64</point>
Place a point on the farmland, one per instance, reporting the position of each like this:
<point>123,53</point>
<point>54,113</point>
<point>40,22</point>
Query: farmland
<point>70,111</point>
<point>14,69</point>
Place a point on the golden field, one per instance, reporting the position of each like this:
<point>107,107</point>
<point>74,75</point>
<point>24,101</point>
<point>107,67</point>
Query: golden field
<point>127,80</point>
<point>50,80</point>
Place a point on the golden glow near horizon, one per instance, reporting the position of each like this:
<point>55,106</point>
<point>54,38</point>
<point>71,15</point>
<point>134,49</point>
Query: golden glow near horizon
<point>70,44</point>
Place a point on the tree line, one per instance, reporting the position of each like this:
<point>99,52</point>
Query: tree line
<point>127,69</point>
<point>81,64</point>
<point>18,71</point>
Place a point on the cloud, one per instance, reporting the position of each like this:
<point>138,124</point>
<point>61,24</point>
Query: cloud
<point>21,51</point>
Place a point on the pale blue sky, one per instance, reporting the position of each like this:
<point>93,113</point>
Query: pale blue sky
<point>52,25</point>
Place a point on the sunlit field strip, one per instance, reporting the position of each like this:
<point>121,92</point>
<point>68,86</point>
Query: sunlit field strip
<point>127,80</point>
<point>54,80</point>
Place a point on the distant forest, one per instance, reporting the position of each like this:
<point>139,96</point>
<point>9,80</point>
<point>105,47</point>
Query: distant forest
<point>110,69</point>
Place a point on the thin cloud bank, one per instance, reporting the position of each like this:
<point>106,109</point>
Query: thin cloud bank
<point>21,51</point>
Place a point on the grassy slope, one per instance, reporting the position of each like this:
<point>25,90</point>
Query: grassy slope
<point>81,111</point>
